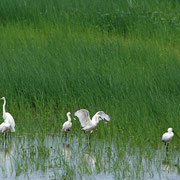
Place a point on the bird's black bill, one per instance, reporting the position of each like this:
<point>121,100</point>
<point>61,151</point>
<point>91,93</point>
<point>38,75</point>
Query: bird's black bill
<point>176,134</point>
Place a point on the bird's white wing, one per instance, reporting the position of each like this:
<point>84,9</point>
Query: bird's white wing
<point>2,126</point>
<point>10,119</point>
<point>165,137</point>
<point>103,115</point>
<point>5,126</point>
<point>83,116</point>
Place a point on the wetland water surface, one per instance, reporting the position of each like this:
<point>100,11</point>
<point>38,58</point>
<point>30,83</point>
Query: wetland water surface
<point>71,157</point>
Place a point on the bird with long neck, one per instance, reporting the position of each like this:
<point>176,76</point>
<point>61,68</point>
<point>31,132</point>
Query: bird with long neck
<point>86,122</point>
<point>4,104</point>
<point>167,137</point>
<point>68,124</point>
<point>8,117</point>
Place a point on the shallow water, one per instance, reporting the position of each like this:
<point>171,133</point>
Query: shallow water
<point>71,157</point>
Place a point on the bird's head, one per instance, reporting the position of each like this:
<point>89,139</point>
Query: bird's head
<point>68,114</point>
<point>99,117</point>
<point>3,98</point>
<point>170,129</point>
<point>105,118</point>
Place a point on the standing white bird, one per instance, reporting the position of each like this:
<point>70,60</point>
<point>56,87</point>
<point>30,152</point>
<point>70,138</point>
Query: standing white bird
<point>68,124</point>
<point>167,137</point>
<point>86,122</point>
<point>8,117</point>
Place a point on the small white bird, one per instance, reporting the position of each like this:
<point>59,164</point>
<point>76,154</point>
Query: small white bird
<point>167,137</point>
<point>8,117</point>
<point>86,122</point>
<point>68,124</point>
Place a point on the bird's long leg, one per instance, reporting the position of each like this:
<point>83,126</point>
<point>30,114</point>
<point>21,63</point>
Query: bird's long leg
<point>88,140</point>
<point>5,135</point>
<point>167,147</point>
<point>167,154</point>
<point>89,137</point>
<point>9,133</point>
<point>65,135</point>
<point>2,137</point>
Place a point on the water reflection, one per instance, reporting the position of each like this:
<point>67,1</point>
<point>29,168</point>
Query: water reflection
<point>90,159</point>
<point>67,152</point>
<point>89,156</point>
<point>7,151</point>
<point>169,166</point>
<point>73,157</point>
<point>166,166</point>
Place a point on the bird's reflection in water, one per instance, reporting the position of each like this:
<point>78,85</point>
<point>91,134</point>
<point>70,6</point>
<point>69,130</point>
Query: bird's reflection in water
<point>7,150</point>
<point>167,165</point>
<point>89,157</point>
<point>67,152</point>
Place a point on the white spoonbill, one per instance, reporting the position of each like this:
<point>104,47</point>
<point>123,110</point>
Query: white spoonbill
<point>68,124</point>
<point>8,117</point>
<point>86,122</point>
<point>167,137</point>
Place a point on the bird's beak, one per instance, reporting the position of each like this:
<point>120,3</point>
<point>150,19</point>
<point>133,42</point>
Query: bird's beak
<point>1,99</point>
<point>107,120</point>
<point>176,134</point>
<point>72,117</point>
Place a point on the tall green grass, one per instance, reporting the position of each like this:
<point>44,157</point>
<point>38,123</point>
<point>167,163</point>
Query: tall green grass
<point>120,56</point>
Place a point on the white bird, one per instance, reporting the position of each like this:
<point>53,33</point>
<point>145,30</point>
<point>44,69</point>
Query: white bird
<point>167,137</point>
<point>8,117</point>
<point>68,124</point>
<point>86,122</point>
<point>5,127</point>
